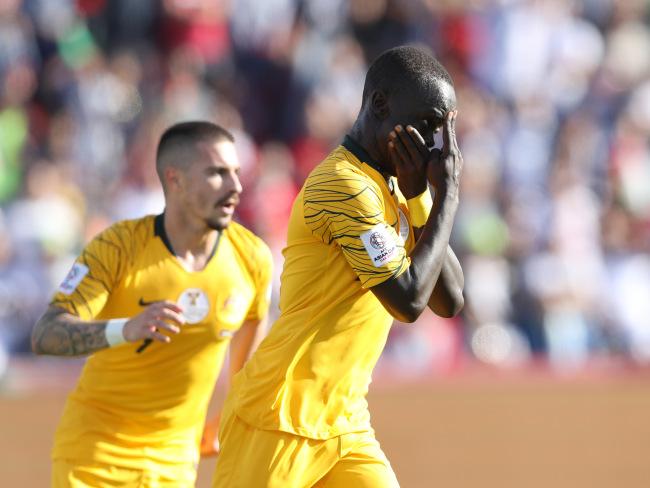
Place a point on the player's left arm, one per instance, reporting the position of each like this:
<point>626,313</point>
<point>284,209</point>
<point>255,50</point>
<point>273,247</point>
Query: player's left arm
<point>447,297</point>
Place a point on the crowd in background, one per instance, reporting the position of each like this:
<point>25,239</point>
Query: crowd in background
<point>553,231</point>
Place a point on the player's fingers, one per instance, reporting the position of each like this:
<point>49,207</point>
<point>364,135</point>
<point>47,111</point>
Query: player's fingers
<point>413,151</point>
<point>174,316</point>
<point>417,147</point>
<point>454,150</point>
<point>400,149</point>
<point>448,132</point>
<point>418,139</point>
<point>169,305</point>
<point>394,155</point>
<point>157,336</point>
<point>459,162</point>
<point>454,141</point>
<point>162,325</point>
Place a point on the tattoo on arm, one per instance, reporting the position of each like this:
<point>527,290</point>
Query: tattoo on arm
<point>59,333</point>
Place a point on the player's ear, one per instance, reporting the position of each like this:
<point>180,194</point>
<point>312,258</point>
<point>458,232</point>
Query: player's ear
<point>379,104</point>
<point>172,178</point>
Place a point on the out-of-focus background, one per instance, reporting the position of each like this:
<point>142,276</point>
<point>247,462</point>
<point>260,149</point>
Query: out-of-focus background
<point>553,231</point>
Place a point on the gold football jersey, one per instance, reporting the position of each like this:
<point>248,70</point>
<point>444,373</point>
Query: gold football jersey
<point>349,230</point>
<point>131,406</point>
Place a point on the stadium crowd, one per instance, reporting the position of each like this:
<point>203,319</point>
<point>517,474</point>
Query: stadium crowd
<point>554,123</point>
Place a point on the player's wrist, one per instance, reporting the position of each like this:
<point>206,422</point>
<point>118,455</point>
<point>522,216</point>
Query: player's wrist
<point>420,208</point>
<point>114,331</point>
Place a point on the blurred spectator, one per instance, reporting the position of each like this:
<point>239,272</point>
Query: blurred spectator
<point>554,96</point>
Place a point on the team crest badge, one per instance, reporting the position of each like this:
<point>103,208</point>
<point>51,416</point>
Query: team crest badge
<point>195,305</point>
<point>234,309</point>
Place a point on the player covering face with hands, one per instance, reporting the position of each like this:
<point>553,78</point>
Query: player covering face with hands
<point>367,243</point>
<point>155,303</point>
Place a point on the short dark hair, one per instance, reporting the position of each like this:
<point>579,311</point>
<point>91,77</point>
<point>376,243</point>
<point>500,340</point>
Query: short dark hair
<point>403,67</point>
<point>178,141</point>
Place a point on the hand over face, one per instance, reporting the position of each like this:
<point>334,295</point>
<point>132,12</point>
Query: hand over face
<point>409,155</point>
<point>446,165</point>
<point>415,164</point>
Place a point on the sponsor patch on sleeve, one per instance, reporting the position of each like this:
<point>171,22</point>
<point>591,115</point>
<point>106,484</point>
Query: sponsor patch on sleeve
<point>75,275</point>
<point>379,244</point>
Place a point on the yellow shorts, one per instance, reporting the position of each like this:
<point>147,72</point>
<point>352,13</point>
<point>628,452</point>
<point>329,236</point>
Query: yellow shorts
<point>69,474</point>
<point>254,458</point>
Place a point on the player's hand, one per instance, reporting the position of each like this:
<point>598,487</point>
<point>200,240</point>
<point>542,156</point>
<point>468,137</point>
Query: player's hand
<point>409,155</point>
<point>446,165</point>
<point>149,324</point>
<point>210,438</point>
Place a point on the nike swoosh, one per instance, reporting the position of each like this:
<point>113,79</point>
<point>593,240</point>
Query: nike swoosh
<point>142,303</point>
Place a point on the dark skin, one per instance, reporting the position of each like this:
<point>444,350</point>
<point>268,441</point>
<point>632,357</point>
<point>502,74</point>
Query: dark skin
<point>398,133</point>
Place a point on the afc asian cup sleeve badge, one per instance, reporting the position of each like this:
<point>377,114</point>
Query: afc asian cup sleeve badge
<point>195,305</point>
<point>380,245</point>
<point>73,278</point>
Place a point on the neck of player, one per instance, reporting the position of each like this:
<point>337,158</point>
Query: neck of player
<point>366,139</point>
<point>193,243</point>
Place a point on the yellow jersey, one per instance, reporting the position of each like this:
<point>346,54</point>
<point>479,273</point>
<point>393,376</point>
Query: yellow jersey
<point>349,230</point>
<point>137,409</point>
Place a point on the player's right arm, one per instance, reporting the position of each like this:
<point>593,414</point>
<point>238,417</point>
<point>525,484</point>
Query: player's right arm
<point>69,326</point>
<point>408,294</point>
<point>61,333</point>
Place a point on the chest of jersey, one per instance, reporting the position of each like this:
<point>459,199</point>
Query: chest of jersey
<point>214,300</point>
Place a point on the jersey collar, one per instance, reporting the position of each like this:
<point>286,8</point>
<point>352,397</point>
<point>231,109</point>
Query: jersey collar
<point>362,155</point>
<point>159,231</point>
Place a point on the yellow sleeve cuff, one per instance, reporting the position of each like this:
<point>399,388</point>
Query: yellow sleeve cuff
<point>420,208</point>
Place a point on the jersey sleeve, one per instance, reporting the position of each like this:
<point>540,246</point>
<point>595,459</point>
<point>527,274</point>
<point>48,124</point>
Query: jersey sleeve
<point>86,288</point>
<point>347,208</point>
<point>263,281</point>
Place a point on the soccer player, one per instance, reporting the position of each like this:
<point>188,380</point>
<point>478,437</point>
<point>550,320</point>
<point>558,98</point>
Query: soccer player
<point>156,302</point>
<point>367,243</point>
